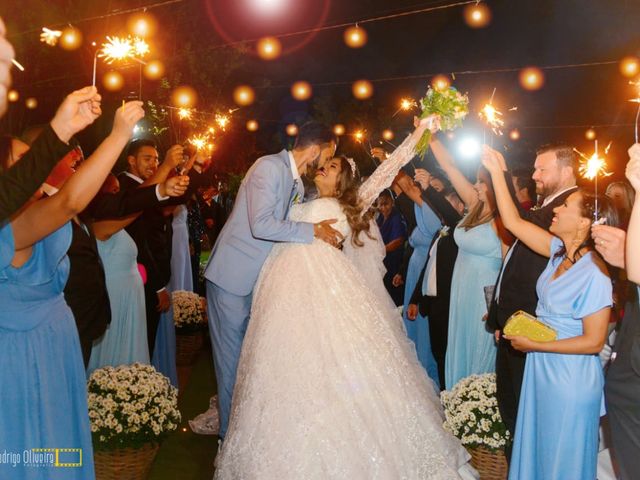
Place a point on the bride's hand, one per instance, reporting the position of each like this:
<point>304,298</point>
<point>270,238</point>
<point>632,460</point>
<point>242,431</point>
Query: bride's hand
<point>432,122</point>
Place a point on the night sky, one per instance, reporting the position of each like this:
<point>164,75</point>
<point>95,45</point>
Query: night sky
<point>521,33</point>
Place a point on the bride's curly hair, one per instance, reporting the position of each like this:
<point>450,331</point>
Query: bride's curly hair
<point>347,194</point>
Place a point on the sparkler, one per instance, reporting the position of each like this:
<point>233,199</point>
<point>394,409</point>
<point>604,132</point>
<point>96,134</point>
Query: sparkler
<point>120,48</point>
<point>406,104</point>
<point>222,121</point>
<point>492,116</point>
<point>198,141</point>
<point>17,64</point>
<point>592,167</point>
<point>636,100</point>
<point>50,37</point>
<point>184,113</point>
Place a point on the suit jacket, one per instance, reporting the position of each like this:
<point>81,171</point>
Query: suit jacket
<point>446,253</point>
<point>86,288</point>
<point>152,234</point>
<point>257,221</point>
<point>20,182</point>
<point>520,274</point>
<point>122,203</point>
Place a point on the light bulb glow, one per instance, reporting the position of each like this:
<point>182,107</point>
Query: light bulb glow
<point>269,48</point>
<point>301,90</point>
<point>243,95</point>
<point>252,125</point>
<point>362,89</point>
<point>355,37</point>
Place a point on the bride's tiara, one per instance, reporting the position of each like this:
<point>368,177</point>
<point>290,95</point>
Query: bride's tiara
<point>353,165</point>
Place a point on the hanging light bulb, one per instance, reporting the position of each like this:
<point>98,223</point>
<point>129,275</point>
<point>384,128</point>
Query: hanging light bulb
<point>13,96</point>
<point>31,103</point>
<point>531,78</point>
<point>590,134</point>
<point>252,125</point>
<point>387,134</point>
<point>629,66</point>
<point>292,130</point>
<point>338,129</point>
<point>243,95</point>
<point>154,70</point>
<point>142,24</point>
<point>355,37</point>
<point>362,89</point>
<point>71,38</point>
<point>113,81</point>
<point>184,96</point>
<point>514,134</point>
<point>269,48</point>
<point>477,16</point>
<point>440,82</point>
<point>301,90</point>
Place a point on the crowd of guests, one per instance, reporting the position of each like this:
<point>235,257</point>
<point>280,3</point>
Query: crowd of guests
<point>88,261</point>
<point>539,243</point>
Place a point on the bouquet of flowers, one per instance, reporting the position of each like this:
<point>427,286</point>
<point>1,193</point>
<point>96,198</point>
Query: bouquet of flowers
<point>472,415</point>
<point>187,309</point>
<point>130,405</point>
<point>449,104</point>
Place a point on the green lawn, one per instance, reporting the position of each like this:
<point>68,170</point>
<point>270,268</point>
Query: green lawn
<point>185,455</point>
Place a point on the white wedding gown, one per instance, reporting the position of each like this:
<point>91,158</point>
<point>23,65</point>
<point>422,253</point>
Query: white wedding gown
<point>328,385</point>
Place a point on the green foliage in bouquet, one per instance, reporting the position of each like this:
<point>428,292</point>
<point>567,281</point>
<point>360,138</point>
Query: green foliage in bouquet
<point>449,104</point>
<point>130,406</point>
<point>472,415</point>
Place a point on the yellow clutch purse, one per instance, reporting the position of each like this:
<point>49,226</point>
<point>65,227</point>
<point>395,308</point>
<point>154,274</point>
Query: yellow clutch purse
<point>525,325</point>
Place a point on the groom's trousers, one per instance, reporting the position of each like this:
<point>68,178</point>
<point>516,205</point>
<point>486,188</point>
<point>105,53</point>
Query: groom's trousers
<point>228,320</point>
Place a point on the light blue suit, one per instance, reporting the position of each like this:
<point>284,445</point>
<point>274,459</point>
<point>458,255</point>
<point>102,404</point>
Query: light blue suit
<point>258,220</point>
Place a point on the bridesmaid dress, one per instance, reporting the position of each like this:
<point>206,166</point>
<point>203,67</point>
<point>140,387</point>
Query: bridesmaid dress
<point>43,393</point>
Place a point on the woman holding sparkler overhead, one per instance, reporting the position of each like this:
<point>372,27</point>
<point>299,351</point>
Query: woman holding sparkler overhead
<point>562,392</point>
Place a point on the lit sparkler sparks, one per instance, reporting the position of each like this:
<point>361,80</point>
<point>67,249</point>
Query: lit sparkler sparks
<point>593,167</point>
<point>184,113</point>
<point>222,121</point>
<point>406,104</point>
<point>50,37</point>
<point>198,141</point>
<point>359,136</point>
<point>119,48</point>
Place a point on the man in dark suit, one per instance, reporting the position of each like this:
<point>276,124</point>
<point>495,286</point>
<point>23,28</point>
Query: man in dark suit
<point>431,298</point>
<point>555,176</point>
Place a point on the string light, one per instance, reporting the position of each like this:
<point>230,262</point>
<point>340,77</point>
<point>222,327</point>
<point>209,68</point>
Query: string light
<point>355,37</point>
<point>252,125</point>
<point>514,134</point>
<point>269,48</point>
<point>359,136</point>
<point>531,78</point>
<point>154,70</point>
<point>339,129</point>
<point>113,81</point>
<point>243,95</point>
<point>387,134</point>
<point>440,82</point>
<point>31,103</point>
<point>142,24</point>
<point>71,38</point>
<point>629,66</point>
<point>477,16</point>
<point>184,96</point>
<point>590,134</point>
<point>301,90</point>
<point>13,96</point>
<point>292,130</point>
<point>362,89</point>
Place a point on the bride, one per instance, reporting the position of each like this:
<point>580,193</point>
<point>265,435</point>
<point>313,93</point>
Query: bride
<point>328,384</point>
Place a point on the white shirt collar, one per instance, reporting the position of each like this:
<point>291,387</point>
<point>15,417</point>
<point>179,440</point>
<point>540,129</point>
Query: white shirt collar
<point>292,164</point>
<point>136,178</point>
<point>551,198</point>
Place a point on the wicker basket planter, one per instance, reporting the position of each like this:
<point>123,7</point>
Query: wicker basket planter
<point>188,345</point>
<point>125,463</point>
<point>490,465</point>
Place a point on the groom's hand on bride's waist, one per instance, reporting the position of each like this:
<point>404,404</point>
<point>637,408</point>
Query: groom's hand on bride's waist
<point>324,231</point>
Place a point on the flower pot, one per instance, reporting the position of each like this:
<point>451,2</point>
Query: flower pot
<point>490,465</point>
<point>125,463</point>
<point>188,345</point>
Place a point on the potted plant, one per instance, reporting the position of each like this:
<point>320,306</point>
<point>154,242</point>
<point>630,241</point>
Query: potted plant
<point>472,415</point>
<point>131,409</point>
<point>190,319</point>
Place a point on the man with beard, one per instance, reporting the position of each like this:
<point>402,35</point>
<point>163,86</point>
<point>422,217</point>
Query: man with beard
<point>258,220</point>
<point>555,177</point>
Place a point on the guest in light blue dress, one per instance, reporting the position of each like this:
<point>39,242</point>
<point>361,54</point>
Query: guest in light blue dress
<point>125,341</point>
<point>562,396</point>
<point>427,225</point>
<point>181,275</point>
<point>470,348</point>
<point>43,403</point>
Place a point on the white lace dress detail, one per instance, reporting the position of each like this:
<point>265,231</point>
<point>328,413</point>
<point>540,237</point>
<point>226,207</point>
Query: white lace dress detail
<point>328,386</point>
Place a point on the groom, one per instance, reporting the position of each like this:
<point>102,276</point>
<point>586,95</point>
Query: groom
<point>258,220</point>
